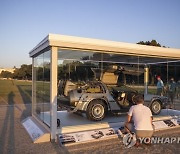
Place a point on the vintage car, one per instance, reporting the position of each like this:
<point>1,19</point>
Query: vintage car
<point>96,99</point>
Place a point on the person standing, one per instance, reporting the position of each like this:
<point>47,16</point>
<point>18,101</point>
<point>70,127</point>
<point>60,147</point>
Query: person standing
<point>160,86</point>
<point>171,90</point>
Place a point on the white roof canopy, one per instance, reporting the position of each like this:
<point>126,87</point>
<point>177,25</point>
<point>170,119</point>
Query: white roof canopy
<point>79,43</point>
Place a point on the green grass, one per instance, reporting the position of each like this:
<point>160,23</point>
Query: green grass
<point>15,92</point>
<point>20,92</point>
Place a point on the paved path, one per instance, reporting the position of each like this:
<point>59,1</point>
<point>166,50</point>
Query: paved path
<point>14,139</point>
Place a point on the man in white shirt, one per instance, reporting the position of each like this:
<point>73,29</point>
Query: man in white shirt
<point>139,119</point>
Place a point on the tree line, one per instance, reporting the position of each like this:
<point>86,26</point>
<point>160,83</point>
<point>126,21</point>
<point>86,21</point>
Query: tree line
<point>22,73</point>
<point>151,43</point>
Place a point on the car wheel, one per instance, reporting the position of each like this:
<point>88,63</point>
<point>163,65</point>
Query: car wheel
<point>96,110</point>
<point>156,107</point>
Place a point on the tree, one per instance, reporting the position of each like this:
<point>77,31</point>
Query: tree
<point>151,43</point>
<point>24,72</point>
<point>6,74</point>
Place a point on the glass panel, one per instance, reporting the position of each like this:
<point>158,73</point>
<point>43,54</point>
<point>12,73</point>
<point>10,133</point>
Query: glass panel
<point>157,70</point>
<point>39,76</point>
<point>173,84</point>
<point>80,72</point>
<point>82,69</point>
<point>41,90</point>
<point>46,85</point>
<point>78,65</point>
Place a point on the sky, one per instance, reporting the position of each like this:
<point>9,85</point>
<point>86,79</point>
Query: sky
<point>24,23</point>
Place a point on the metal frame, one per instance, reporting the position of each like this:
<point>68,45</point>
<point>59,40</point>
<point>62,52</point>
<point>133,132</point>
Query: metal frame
<point>146,79</point>
<point>53,93</point>
<point>33,86</point>
<point>79,43</point>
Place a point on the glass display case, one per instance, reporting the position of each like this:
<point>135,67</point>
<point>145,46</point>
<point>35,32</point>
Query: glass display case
<point>68,71</point>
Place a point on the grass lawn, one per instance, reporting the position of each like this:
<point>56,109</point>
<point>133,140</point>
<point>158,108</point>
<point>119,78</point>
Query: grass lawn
<point>15,92</point>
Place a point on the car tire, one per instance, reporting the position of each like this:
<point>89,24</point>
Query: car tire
<point>96,110</point>
<point>156,107</point>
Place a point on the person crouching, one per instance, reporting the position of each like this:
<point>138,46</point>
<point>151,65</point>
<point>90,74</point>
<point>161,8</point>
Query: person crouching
<point>139,119</point>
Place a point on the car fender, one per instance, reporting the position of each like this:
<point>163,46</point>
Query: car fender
<point>102,99</point>
<point>83,105</point>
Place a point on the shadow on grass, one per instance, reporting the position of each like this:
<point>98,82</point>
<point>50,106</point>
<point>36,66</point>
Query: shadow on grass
<point>26,97</point>
<point>25,93</point>
<point>7,134</point>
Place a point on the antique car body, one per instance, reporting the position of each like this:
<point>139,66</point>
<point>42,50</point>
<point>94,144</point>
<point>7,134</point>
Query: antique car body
<point>96,99</point>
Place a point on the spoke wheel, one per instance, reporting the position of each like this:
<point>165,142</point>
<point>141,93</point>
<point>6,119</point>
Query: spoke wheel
<point>96,110</point>
<point>156,107</point>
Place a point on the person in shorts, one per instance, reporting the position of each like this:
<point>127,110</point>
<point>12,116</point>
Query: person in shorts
<point>139,119</point>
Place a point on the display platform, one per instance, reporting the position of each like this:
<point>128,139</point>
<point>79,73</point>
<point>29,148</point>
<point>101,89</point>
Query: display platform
<point>77,128</point>
<point>67,139</point>
<point>110,127</point>
<point>70,122</point>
